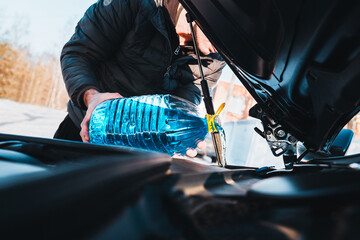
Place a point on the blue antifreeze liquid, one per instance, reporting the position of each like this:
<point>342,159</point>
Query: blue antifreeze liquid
<point>156,122</point>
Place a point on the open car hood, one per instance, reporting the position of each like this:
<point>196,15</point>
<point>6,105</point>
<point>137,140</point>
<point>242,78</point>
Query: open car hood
<point>300,60</point>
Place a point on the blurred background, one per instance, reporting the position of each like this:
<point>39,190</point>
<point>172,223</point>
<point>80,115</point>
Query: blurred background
<point>33,96</point>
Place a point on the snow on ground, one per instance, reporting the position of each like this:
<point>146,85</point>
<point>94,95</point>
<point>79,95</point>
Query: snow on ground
<point>30,120</point>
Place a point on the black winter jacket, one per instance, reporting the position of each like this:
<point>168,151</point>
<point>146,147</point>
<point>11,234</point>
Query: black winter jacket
<point>125,47</point>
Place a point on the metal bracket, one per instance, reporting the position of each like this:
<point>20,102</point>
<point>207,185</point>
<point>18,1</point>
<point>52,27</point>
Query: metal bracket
<point>280,141</point>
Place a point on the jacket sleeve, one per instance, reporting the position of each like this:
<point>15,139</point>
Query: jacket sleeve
<point>189,92</point>
<point>97,35</point>
<point>185,73</point>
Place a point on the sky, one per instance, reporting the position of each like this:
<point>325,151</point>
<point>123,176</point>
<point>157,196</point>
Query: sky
<point>42,25</point>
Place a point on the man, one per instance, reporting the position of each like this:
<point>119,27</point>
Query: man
<point>124,48</point>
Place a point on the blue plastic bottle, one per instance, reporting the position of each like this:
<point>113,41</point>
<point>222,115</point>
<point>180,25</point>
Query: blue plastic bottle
<point>162,123</point>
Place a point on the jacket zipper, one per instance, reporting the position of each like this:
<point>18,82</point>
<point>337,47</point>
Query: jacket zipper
<point>165,34</point>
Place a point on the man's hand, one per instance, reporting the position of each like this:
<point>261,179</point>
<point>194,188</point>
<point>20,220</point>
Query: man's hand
<point>91,99</point>
<point>192,152</point>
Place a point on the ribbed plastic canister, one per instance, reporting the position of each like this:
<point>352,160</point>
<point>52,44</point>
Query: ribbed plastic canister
<point>156,122</point>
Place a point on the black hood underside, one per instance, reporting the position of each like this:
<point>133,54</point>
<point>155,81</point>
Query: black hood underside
<point>300,60</point>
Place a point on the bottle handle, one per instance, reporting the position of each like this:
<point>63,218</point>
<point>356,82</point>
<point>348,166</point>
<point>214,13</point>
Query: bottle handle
<point>211,119</point>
